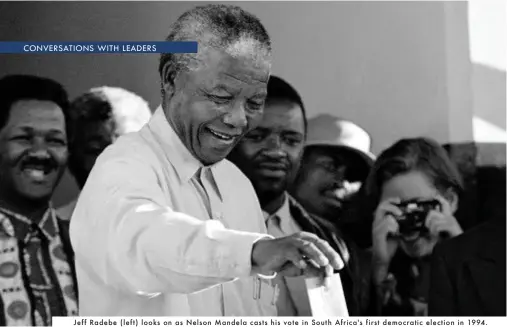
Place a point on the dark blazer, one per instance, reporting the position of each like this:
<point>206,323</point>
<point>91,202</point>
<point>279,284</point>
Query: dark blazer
<point>356,274</point>
<point>468,273</point>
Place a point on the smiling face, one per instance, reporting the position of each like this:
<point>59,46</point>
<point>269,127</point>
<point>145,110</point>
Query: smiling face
<point>269,155</point>
<point>33,150</point>
<point>329,179</point>
<point>215,103</point>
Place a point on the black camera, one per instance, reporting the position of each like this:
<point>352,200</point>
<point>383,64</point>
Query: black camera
<point>414,213</point>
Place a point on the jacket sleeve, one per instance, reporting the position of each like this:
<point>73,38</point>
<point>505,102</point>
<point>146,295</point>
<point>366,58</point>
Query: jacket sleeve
<point>124,233</point>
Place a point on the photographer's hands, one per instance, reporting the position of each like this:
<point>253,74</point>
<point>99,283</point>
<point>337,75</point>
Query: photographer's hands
<point>385,232</point>
<point>442,223</point>
<point>384,236</point>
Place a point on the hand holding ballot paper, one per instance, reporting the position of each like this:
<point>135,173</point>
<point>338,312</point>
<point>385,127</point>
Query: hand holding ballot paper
<point>306,255</point>
<point>295,255</point>
<point>327,301</point>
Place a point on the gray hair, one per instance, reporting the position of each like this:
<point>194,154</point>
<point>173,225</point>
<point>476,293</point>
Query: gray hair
<point>129,111</point>
<point>214,25</point>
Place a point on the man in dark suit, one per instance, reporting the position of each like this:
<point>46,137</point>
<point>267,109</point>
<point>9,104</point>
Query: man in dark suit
<point>37,276</point>
<point>270,156</point>
<point>468,273</point>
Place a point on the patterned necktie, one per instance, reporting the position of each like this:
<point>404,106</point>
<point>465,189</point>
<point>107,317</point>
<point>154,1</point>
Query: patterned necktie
<point>46,300</point>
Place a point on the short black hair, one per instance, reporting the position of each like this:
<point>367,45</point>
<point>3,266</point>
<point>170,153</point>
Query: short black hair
<point>14,88</point>
<point>279,89</point>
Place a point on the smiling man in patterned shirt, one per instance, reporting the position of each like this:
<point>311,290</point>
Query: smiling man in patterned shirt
<point>37,280</point>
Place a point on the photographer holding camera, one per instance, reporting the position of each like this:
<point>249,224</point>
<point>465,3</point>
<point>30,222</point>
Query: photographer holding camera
<point>413,192</point>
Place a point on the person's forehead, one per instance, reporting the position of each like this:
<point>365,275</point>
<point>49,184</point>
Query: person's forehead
<point>34,112</point>
<point>409,185</point>
<point>231,68</point>
<point>283,114</point>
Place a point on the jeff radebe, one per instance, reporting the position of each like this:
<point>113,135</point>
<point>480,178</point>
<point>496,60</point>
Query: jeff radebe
<point>103,322</point>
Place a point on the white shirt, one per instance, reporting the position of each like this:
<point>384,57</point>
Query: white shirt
<point>150,240</point>
<point>293,296</point>
<point>288,225</point>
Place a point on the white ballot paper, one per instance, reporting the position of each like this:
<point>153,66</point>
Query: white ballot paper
<point>327,302</point>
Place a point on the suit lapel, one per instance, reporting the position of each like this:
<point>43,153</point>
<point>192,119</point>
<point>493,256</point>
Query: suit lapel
<point>67,248</point>
<point>312,224</point>
<point>316,225</point>
<point>301,217</point>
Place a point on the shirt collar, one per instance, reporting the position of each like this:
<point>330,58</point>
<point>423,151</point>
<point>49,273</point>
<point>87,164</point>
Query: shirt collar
<point>283,212</point>
<point>185,164</point>
<point>19,226</point>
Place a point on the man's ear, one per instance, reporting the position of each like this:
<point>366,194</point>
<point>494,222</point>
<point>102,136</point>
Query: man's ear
<point>167,82</point>
<point>453,200</point>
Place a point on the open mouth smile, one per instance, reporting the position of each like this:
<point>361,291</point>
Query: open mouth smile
<point>37,173</point>
<point>228,138</point>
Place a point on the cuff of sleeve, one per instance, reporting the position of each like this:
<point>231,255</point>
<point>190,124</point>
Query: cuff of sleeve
<point>241,249</point>
<point>253,268</point>
<point>267,277</point>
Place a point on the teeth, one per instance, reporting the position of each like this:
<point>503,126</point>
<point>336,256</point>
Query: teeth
<point>36,174</point>
<point>221,136</point>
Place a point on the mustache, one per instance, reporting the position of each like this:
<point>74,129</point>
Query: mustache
<point>47,162</point>
<point>265,162</point>
<point>331,185</point>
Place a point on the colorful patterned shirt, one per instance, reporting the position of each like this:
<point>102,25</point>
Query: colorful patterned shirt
<point>36,279</point>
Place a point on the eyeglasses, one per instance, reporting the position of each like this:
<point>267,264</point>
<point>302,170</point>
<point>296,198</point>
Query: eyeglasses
<point>332,166</point>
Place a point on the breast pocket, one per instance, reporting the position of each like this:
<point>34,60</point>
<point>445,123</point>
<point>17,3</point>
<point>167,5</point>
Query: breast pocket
<point>266,294</point>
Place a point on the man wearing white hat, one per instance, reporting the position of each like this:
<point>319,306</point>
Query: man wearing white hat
<point>336,161</point>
